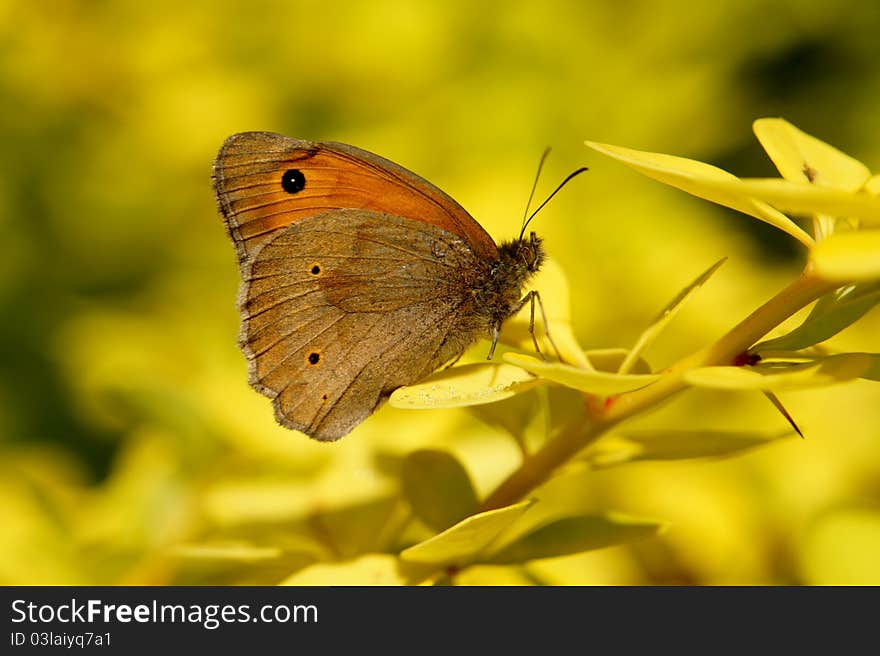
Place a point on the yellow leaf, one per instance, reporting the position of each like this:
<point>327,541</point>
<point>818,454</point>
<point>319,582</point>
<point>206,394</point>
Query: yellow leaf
<point>834,312</point>
<point>695,177</point>
<point>848,256</point>
<point>800,157</point>
<point>591,382</point>
<point>777,376</point>
<point>872,186</point>
<point>438,488</point>
<point>371,569</point>
<point>804,198</point>
<point>570,535</point>
<point>470,384</point>
<point>675,445</point>
<point>610,359</point>
<point>463,543</point>
<point>523,417</point>
<point>666,315</point>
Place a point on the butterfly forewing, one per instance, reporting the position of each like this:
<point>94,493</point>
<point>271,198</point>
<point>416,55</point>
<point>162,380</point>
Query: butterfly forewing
<point>249,180</point>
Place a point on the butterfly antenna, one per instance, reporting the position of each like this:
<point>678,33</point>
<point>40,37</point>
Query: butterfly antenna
<point>534,186</point>
<point>570,176</point>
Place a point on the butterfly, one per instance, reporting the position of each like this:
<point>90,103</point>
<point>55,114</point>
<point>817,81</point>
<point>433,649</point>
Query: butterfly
<point>358,276</point>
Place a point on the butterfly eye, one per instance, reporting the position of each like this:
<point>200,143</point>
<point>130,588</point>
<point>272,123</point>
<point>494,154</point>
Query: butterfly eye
<point>293,181</point>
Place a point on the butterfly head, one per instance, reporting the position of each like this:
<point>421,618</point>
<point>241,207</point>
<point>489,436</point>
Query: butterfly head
<point>518,261</point>
<point>530,252</point>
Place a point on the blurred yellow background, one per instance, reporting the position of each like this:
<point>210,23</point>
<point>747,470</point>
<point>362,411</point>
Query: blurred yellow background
<point>128,433</point>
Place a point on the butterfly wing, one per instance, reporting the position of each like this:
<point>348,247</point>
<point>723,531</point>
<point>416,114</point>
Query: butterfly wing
<point>343,307</point>
<point>256,201</point>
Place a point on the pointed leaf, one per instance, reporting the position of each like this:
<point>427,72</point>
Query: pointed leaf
<point>372,569</point>
<point>534,417</point>
<point>353,530</point>
<point>834,312</point>
<point>777,376</point>
<point>696,178</point>
<point>463,543</point>
<point>575,534</point>
<point>801,157</point>
<point>770,396</point>
<point>824,225</point>
<point>666,315</point>
<point>675,445</point>
<point>469,384</point>
<point>518,416</point>
<point>438,488</point>
<point>591,382</point>
<point>610,359</point>
<point>804,198</point>
<point>848,256</point>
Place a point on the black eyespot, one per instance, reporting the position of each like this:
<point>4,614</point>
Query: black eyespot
<point>293,181</point>
<point>314,358</point>
<point>324,397</point>
<point>316,270</point>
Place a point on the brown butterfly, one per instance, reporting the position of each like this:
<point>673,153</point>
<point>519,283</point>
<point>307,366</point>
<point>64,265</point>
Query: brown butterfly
<point>358,276</point>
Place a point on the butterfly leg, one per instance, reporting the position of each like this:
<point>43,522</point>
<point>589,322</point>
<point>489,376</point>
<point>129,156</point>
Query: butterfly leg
<point>496,330</point>
<point>536,296</point>
<point>528,298</point>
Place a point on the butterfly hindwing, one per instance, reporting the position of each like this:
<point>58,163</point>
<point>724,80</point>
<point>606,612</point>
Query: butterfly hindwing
<point>341,308</point>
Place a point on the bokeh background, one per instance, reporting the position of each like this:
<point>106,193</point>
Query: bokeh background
<point>130,441</point>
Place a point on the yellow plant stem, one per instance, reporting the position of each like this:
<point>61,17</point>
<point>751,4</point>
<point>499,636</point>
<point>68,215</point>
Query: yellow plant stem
<point>538,467</point>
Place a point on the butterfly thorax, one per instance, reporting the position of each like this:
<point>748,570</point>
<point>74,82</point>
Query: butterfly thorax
<point>518,261</point>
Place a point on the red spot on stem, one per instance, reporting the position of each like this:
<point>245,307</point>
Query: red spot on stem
<point>746,359</point>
